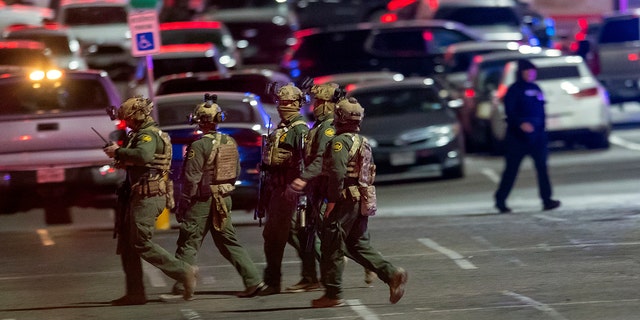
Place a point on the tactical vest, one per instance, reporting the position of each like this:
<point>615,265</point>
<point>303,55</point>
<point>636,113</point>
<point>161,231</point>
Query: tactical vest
<point>161,161</point>
<point>360,164</point>
<point>276,155</point>
<point>222,163</point>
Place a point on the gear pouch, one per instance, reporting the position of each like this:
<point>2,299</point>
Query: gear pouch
<point>368,201</point>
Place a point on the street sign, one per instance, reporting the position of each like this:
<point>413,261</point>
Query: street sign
<point>145,34</point>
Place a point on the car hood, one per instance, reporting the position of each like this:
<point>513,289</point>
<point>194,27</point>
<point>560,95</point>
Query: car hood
<point>389,128</point>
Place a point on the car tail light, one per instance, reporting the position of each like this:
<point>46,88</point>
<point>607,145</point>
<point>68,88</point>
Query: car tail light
<point>248,139</point>
<point>121,125</point>
<point>590,92</point>
<point>632,57</point>
<point>502,91</point>
<point>389,18</point>
<point>469,93</point>
<point>397,4</point>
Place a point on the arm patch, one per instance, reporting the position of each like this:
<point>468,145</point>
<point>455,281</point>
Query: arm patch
<point>330,132</point>
<point>337,146</point>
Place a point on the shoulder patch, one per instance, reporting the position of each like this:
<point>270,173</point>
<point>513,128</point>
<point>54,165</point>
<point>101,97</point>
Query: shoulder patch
<point>337,146</point>
<point>145,137</point>
<point>190,154</point>
<point>282,137</point>
<point>330,132</point>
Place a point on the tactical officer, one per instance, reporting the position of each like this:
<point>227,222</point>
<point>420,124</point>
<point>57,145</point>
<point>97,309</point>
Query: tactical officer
<point>282,159</point>
<point>145,193</point>
<point>524,108</point>
<point>351,200</point>
<point>209,172</point>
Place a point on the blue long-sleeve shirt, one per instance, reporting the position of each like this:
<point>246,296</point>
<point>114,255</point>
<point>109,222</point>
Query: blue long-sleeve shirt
<point>524,102</point>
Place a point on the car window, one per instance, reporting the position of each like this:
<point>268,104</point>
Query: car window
<point>79,16</point>
<point>163,67</point>
<point>176,113</point>
<point>479,16</point>
<point>23,97</point>
<point>180,36</point>
<point>24,57</point>
<point>316,47</point>
<point>396,102</point>
<point>58,44</point>
<point>415,43</point>
<point>558,72</point>
<point>614,31</point>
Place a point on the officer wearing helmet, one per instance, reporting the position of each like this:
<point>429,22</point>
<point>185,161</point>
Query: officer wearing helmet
<point>211,166</point>
<point>350,201</point>
<point>281,160</point>
<point>145,193</point>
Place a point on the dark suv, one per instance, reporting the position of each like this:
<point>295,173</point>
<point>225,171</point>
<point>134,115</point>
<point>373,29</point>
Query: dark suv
<point>407,47</point>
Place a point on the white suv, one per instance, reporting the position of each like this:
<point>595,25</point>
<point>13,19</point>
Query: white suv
<point>577,105</point>
<point>50,157</point>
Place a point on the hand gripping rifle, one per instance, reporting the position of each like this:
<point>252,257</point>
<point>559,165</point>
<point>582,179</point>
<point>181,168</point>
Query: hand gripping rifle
<point>301,207</point>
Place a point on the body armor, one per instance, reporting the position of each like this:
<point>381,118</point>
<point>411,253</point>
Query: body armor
<point>276,155</point>
<point>221,165</point>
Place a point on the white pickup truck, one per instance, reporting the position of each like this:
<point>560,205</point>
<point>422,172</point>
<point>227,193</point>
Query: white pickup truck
<point>617,57</point>
<point>49,155</point>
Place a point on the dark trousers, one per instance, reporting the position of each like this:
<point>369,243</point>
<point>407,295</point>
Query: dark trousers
<point>516,150</point>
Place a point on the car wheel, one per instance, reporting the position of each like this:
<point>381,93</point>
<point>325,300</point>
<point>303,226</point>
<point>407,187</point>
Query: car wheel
<point>57,212</point>
<point>453,172</point>
<point>9,203</point>
<point>598,141</point>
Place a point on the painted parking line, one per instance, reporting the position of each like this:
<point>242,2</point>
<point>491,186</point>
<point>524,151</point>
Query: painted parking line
<point>624,143</point>
<point>548,218</point>
<point>492,175</point>
<point>547,309</point>
<point>45,238</point>
<point>362,310</point>
<point>456,257</point>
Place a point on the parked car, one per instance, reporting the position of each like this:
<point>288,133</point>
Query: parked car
<point>407,47</point>
<point>194,32</point>
<point>577,105</point>
<point>50,157</point>
<point>102,28</point>
<point>15,14</point>
<point>322,13</point>
<point>64,47</point>
<point>244,121</point>
<point>412,130</point>
<point>263,29</point>
<point>458,57</point>
<point>348,80</point>
<point>497,20</point>
<point>25,54</point>
<point>174,59</point>
<point>478,94</point>
<point>616,56</point>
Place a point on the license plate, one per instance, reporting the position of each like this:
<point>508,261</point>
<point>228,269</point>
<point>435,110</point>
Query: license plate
<point>50,175</point>
<point>402,158</point>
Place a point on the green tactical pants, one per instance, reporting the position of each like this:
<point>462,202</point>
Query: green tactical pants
<point>137,243</point>
<point>279,229</point>
<point>198,222</point>
<point>345,233</point>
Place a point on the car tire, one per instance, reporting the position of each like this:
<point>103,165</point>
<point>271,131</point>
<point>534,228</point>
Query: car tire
<point>453,172</point>
<point>57,212</point>
<point>598,141</point>
<point>9,203</point>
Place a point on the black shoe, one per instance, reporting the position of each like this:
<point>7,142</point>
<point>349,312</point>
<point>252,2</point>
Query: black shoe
<point>503,208</point>
<point>251,291</point>
<point>396,285</point>
<point>552,204</point>
<point>268,290</point>
<point>129,300</point>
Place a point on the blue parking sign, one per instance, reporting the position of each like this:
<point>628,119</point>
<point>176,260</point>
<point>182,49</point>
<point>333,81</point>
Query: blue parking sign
<point>145,41</point>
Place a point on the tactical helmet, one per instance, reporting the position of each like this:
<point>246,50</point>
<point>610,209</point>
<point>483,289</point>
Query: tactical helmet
<point>137,108</point>
<point>290,92</point>
<point>327,92</point>
<point>349,110</point>
<point>207,112</point>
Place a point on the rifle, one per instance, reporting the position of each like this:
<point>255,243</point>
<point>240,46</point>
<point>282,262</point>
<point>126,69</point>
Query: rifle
<point>301,207</point>
<point>263,192</point>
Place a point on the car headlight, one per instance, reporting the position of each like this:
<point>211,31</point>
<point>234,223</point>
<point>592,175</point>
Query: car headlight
<point>436,136</point>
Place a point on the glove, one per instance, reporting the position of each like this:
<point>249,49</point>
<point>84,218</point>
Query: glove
<point>181,210</point>
<point>110,149</point>
<point>292,194</point>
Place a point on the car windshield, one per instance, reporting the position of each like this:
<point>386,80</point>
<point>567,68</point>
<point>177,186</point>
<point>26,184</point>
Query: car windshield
<point>24,58</point>
<point>81,16</point>
<point>180,36</point>
<point>20,97</point>
<point>623,30</point>
<point>254,84</point>
<point>58,44</point>
<point>479,16</point>
<point>390,102</point>
<point>163,67</point>
<point>176,113</point>
<point>558,72</point>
